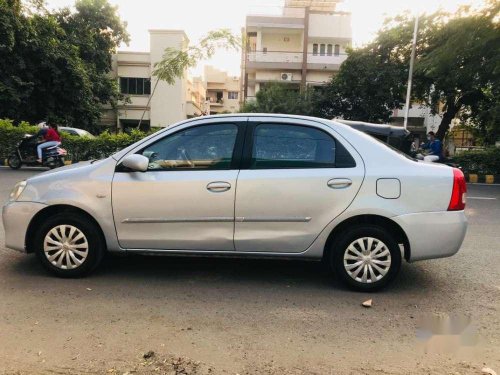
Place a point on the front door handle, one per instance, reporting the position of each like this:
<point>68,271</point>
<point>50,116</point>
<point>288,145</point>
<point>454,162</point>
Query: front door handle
<point>218,186</point>
<point>339,183</point>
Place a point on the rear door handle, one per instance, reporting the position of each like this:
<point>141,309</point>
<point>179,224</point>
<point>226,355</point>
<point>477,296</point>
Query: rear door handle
<point>339,183</point>
<point>218,186</point>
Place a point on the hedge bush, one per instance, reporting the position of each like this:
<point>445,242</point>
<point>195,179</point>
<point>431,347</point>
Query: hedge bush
<point>480,162</point>
<point>10,135</point>
<point>79,148</point>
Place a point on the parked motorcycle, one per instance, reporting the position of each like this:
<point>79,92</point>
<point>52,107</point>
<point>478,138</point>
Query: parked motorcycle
<point>25,153</point>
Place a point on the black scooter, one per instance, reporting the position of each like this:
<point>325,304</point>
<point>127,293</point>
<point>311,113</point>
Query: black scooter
<point>25,153</point>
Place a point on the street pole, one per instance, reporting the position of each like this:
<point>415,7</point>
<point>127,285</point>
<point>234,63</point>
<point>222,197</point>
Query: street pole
<point>410,73</point>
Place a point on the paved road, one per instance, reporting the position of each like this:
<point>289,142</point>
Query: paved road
<point>211,316</point>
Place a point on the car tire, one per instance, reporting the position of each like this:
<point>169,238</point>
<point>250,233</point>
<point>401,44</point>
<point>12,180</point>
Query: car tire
<point>366,257</point>
<point>69,245</point>
<point>14,161</point>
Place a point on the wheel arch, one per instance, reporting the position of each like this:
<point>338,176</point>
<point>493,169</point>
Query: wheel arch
<point>53,210</point>
<point>378,220</point>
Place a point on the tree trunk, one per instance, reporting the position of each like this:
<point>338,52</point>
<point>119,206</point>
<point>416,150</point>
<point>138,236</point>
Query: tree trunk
<point>452,109</point>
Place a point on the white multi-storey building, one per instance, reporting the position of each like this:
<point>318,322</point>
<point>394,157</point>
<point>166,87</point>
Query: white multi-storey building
<point>304,46</point>
<point>154,103</point>
<point>223,91</point>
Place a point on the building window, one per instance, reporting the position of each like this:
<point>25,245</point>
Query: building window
<point>135,86</point>
<point>315,49</point>
<point>232,95</point>
<point>337,50</point>
<point>322,50</point>
<point>329,50</point>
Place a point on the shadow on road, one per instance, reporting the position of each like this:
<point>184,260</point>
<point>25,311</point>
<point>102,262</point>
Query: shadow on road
<point>134,271</point>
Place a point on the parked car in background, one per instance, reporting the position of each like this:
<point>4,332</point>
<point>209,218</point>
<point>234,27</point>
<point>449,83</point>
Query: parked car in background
<point>254,185</point>
<point>76,131</point>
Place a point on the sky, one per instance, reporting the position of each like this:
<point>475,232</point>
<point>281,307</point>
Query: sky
<point>196,17</point>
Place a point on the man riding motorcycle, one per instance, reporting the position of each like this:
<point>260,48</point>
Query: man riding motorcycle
<point>30,152</point>
<point>51,138</point>
<point>434,147</point>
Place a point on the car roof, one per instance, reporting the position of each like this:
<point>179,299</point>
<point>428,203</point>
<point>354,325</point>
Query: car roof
<point>377,129</point>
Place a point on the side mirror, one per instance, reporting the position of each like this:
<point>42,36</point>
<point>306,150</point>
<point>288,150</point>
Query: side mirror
<point>136,162</point>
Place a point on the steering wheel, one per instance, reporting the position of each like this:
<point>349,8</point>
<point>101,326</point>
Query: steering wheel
<point>185,156</point>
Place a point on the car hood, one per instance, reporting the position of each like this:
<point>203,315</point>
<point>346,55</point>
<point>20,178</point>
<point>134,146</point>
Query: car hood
<point>83,166</point>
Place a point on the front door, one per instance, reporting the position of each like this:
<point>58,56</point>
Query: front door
<point>185,200</point>
<point>297,180</point>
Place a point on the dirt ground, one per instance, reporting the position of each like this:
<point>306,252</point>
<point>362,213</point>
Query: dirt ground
<point>160,315</point>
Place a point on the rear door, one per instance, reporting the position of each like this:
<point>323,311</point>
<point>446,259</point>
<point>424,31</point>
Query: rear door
<point>296,177</point>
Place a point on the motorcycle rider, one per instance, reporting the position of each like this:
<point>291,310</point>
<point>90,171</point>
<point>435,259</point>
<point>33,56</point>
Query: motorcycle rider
<point>435,148</point>
<point>51,138</point>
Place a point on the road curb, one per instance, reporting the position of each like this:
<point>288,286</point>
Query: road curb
<point>485,179</point>
<point>5,164</point>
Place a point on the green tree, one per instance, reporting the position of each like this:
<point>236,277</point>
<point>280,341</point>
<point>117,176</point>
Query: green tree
<point>280,98</point>
<point>175,62</point>
<point>368,86</point>
<point>55,65</point>
<point>456,69</point>
<point>459,65</point>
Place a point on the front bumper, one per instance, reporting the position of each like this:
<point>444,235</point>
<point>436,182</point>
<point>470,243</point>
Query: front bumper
<point>16,218</point>
<point>433,234</point>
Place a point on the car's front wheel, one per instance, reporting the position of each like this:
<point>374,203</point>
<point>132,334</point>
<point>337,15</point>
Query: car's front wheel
<point>365,257</point>
<point>69,245</point>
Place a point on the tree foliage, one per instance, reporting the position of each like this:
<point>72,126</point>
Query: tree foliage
<point>457,69</point>
<point>459,66</point>
<point>368,86</point>
<point>281,98</point>
<point>55,65</point>
<point>175,61</point>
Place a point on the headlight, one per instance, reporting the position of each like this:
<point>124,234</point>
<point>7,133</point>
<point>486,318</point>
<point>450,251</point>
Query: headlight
<point>17,191</point>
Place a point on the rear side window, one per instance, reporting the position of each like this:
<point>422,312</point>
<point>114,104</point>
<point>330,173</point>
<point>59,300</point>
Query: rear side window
<point>294,146</point>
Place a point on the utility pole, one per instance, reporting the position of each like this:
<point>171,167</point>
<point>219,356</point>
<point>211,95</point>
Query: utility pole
<point>410,73</point>
<point>303,81</point>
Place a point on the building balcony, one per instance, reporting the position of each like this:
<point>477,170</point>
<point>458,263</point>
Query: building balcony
<point>253,22</point>
<point>325,61</point>
<point>273,60</point>
<point>215,102</point>
<point>292,60</point>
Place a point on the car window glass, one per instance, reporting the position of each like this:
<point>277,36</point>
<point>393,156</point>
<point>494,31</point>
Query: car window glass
<point>201,147</point>
<point>291,146</point>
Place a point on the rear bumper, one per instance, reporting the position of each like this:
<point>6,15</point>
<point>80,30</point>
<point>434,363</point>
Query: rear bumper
<point>16,219</point>
<point>433,234</point>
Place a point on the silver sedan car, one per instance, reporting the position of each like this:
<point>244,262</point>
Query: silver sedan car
<point>249,186</point>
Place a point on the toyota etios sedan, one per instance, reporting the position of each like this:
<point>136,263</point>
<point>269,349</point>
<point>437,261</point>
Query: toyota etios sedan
<point>245,185</point>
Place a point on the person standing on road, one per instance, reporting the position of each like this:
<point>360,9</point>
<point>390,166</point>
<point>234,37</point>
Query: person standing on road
<point>435,148</point>
<point>51,138</point>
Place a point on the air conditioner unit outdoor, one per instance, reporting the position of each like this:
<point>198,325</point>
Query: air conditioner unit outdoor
<point>286,76</point>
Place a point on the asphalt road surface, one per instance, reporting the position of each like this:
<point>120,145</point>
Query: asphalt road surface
<point>226,316</point>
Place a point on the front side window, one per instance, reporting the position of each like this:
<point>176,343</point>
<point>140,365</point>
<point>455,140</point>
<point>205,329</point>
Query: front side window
<point>201,147</point>
<point>294,146</point>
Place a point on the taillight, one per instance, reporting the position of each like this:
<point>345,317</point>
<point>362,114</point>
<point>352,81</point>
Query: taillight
<point>457,201</point>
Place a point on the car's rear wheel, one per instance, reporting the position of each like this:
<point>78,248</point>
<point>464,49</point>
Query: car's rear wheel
<point>365,257</point>
<point>69,245</point>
